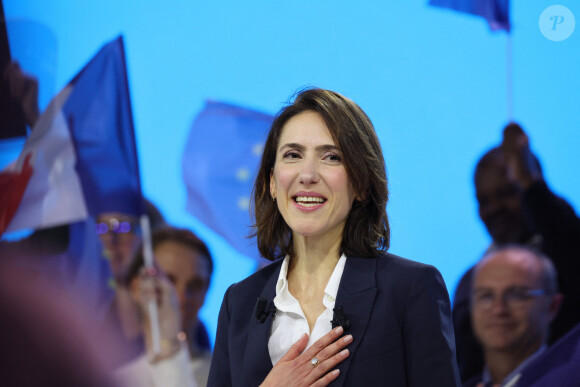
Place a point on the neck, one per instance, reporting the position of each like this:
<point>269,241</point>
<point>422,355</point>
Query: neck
<point>502,362</point>
<point>314,260</point>
<point>308,274</point>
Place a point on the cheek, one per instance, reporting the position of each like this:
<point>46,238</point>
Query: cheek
<point>513,205</point>
<point>281,176</point>
<point>476,320</point>
<point>282,180</point>
<point>339,182</point>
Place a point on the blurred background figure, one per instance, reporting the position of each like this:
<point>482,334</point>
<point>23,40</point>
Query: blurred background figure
<point>514,298</point>
<point>23,91</point>
<point>185,262</point>
<point>47,338</point>
<point>120,235</point>
<point>517,206</point>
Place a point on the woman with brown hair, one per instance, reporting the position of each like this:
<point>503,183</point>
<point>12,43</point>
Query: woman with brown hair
<point>337,307</point>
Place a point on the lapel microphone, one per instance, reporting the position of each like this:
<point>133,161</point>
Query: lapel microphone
<point>261,310</point>
<point>339,318</point>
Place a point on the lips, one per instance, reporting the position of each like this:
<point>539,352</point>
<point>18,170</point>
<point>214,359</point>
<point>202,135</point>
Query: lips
<point>309,200</point>
<point>502,326</point>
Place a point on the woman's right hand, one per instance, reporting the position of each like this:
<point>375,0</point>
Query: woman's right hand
<point>298,368</point>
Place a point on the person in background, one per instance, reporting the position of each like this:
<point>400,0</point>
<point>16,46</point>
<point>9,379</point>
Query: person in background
<point>513,300</point>
<point>120,235</point>
<point>185,267</point>
<point>517,206</point>
<point>48,337</point>
<point>336,307</point>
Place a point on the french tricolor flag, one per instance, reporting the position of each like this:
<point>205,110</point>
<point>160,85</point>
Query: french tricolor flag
<point>80,159</point>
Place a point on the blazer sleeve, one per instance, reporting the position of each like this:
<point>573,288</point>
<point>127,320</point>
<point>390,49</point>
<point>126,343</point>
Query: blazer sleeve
<point>219,372</point>
<point>428,332</point>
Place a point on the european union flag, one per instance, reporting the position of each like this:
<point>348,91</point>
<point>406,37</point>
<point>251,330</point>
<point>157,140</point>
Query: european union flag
<point>220,163</point>
<point>496,12</point>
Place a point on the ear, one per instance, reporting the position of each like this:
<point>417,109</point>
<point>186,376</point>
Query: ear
<point>272,183</point>
<point>555,304</point>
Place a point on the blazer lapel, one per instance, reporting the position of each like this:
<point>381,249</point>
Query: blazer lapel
<point>356,294</point>
<point>256,354</point>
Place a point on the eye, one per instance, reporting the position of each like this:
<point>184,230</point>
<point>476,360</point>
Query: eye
<point>333,157</point>
<point>291,155</point>
<point>483,297</point>
<point>196,286</point>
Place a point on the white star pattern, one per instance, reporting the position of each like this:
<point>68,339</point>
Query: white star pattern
<point>243,174</point>
<point>244,203</point>
<point>257,149</point>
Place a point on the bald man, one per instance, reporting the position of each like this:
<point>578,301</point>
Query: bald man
<point>513,300</point>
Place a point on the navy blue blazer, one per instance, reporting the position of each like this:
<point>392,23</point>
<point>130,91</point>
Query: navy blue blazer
<point>400,321</point>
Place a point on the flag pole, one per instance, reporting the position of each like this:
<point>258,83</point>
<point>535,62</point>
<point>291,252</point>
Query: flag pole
<point>509,77</point>
<point>152,305</point>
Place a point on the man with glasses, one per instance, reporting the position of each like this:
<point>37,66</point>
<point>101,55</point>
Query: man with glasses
<point>513,300</point>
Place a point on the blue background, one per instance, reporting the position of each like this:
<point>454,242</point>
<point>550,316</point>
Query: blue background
<point>433,82</point>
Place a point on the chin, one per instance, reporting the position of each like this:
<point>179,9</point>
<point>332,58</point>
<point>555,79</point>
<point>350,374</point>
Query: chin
<point>505,237</point>
<point>305,231</point>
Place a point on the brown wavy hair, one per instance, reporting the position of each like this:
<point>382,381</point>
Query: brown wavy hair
<point>367,231</point>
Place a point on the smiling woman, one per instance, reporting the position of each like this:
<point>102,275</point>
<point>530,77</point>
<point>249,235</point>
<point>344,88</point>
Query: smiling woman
<point>337,308</point>
<point>309,179</point>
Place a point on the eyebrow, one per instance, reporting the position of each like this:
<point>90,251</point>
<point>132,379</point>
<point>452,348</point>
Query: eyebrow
<point>319,148</point>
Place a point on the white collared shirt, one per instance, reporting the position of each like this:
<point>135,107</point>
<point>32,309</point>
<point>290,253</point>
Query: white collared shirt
<point>290,322</point>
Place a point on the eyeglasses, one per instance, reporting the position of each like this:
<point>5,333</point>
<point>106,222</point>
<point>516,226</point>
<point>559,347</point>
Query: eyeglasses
<point>117,226</point>
<point>513,298</point>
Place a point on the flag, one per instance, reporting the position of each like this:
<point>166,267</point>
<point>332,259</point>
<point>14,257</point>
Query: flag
<point>220,163</point>
<point>496,12</point>
<point>86,272</point>
<point>81,153</point>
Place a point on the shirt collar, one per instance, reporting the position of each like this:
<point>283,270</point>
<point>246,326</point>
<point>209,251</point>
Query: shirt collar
<point>331,289</point>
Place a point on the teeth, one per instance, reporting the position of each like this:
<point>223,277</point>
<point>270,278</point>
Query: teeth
<point>309,204</point>
<point>309,201</point>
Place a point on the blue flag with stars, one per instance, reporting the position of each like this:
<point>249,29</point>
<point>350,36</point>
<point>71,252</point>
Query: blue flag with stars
<point>220,163</point>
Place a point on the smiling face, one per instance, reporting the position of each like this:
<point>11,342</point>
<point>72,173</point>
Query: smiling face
<point>309,180</point>
<point>516,327</point>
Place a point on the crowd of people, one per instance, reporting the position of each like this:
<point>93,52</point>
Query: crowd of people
<point>334,307</point>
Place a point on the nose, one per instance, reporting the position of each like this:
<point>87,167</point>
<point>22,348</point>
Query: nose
<point>499,305</point>
<point>309,171</point>
<point>181,295</point>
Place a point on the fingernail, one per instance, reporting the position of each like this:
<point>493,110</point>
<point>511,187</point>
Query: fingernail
<point>344,353</point>
<point>338,330</point>
<point>335,372</point>
<point>348,339</point>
